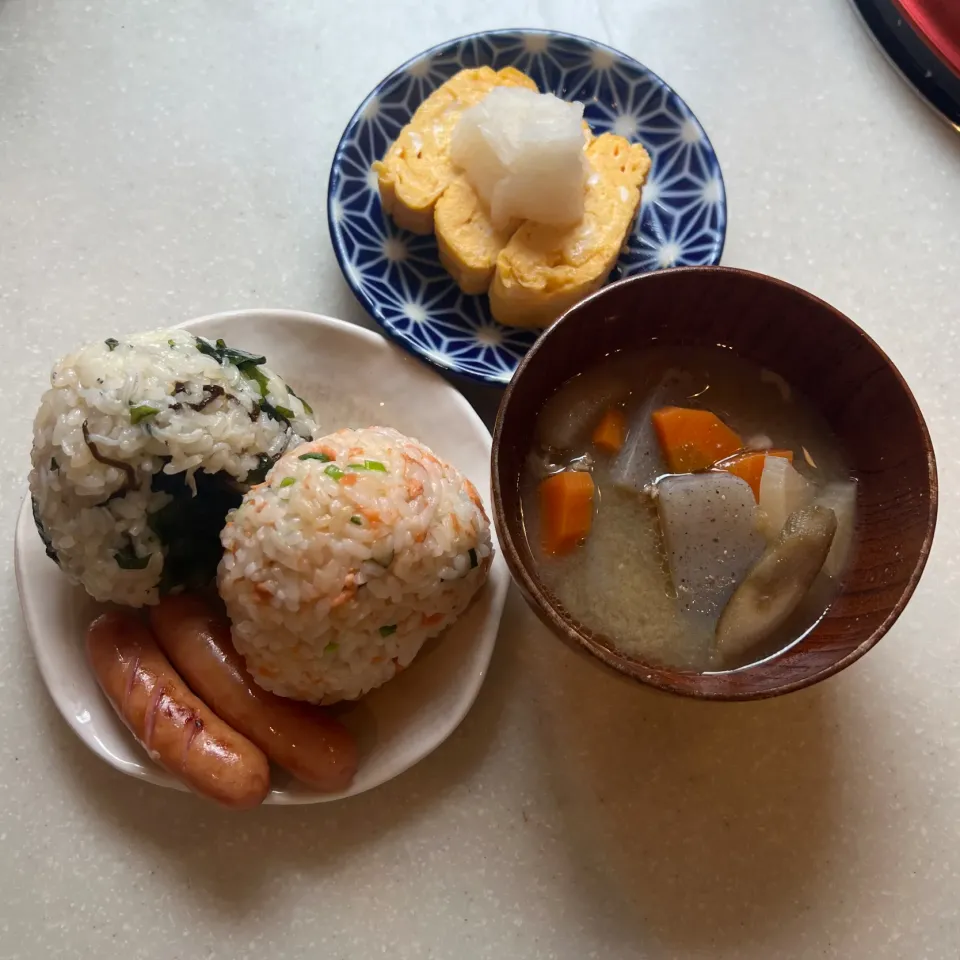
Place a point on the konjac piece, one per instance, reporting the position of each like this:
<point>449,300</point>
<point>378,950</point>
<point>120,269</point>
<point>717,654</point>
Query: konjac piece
<point>709,523</point>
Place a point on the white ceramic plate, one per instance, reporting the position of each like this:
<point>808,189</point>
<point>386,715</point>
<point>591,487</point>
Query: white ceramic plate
<point>325,361</point>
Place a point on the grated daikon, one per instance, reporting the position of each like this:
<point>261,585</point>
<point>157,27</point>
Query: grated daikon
<point>523,153</point>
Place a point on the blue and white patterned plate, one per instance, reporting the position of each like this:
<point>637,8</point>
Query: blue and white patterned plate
<point>397,275</point>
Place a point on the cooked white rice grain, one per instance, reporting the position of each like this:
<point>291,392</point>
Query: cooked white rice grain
<point>141,446</point>
<point>358,548</point>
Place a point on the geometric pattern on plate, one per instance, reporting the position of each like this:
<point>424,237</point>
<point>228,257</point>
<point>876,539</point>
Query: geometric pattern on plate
<point>397,276</point>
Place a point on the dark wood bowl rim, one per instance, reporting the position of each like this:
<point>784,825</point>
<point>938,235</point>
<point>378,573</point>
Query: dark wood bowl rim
<point>539,597</point>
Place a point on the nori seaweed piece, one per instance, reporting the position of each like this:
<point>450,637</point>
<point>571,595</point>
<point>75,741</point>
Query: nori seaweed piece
<point>275,413</point>
<point>47,542</point>
<point>259,473</point>
<point>127,558</point>
<point>189,527</point>
<point>224,354</point>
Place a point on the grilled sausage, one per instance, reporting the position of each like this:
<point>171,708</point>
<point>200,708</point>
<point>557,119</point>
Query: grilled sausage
<point>300,737</point>
<point>174,727</point>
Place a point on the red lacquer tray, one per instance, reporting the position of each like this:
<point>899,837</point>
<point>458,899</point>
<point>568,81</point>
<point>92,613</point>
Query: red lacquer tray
<point>922,40</point>
<point>938,22</point>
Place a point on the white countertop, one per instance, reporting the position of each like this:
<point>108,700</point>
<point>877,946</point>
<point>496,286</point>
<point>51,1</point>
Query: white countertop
<point>161,160</point>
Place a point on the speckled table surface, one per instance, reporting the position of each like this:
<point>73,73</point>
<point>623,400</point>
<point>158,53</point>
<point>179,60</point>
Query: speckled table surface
<point>165,159</point>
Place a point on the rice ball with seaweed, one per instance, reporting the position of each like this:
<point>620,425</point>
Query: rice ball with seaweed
<point>140,448</point>
<point>358,548</point>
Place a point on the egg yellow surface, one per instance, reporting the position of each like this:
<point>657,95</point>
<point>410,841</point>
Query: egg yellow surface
<point>468,242</point>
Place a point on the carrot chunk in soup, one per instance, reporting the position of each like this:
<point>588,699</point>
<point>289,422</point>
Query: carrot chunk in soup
<point>566,505</point>
<point>693,440</point>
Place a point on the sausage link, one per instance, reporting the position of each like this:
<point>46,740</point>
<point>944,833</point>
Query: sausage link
<point>173,726</point>
<point>300,737</point>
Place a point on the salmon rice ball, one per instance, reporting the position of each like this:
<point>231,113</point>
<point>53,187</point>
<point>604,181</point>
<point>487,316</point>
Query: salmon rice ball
<point>359,547</point>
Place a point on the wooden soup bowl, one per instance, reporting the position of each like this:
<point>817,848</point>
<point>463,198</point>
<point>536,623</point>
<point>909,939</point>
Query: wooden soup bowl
<point>822,354</point>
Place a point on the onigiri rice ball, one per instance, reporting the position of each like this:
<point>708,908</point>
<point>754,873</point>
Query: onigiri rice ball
<point>358,548</point>
<point>141,446</point>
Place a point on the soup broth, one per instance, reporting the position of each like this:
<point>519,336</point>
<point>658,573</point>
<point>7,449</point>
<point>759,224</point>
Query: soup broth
<point>712,570</point>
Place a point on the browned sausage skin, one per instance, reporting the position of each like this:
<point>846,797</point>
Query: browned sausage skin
<point>174,727</point>
<point>299,737</point>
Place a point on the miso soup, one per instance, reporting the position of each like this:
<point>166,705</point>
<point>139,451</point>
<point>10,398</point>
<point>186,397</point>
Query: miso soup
<point>688,506</point>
